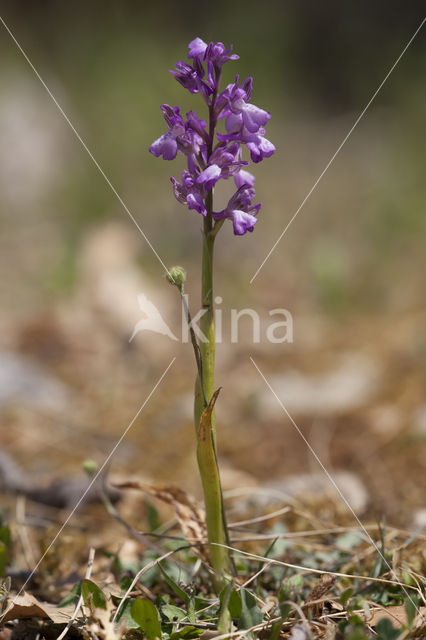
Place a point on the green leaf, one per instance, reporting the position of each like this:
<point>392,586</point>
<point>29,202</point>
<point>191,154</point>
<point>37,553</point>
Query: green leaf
<point>295,584</point>
<point>92,595</point>
<point>5,536</point>
<point>173,613</point>
<point>172,584</point>
<point>275,630</point>
<point>4,557</point>
<point>235,605</point>
<point>145,614</point>
<point>349,541</point>
<point>154,520</point>
<point>380,564</point>
<point>73,596</point>
<point>386,631</point>
<point>224,623</point>
<point>191,611</point>
<point>125,616</point>
<point>278,546</point>
<point>5,540</point>
<point>284,595</point>
<point>411,609</point>
<point>186,632</point>
<point>346,595</point>
<point>230,600</point>
<point>251,614</point>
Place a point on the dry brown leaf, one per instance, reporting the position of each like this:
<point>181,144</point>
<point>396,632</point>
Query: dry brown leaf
<point>397,615</point>
<point>26,606</point>
<point>101,626</point>
<point>189,515</point>
<point>325,583</point>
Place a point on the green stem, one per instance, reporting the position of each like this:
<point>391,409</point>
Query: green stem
<point>204,391</point>
<point>206,442</point>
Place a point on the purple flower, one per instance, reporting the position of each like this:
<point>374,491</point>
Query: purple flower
<point>187,76</point>
<point>165,146</point>
<point>215,52</point>
<point>197,48</point>
<point>246,116</point>
<point>189,193</point>
<point>259,146</point>
<point>209,176</point>
<point>240,210</point>
<point>197,125</point>
<point>235,104</point>
<point>223,163</point>
<point>182,136</point>
<point>244,177</point>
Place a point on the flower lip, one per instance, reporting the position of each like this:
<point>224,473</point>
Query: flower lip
<point>244,177</point>
<point>242,222</point>
<point>165,146</point>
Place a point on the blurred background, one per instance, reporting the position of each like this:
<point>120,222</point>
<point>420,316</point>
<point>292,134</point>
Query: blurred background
<point>351,268</point>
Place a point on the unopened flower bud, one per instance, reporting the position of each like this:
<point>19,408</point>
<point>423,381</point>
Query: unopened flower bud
<point>176,276</point>
<point>90,467</point>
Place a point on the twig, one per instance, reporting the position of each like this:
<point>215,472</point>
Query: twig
<point>266,516</point>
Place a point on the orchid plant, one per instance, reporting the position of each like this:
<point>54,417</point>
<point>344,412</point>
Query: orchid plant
<point>213,155</point>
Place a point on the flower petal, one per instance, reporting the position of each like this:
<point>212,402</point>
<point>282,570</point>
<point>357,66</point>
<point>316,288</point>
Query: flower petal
<point>244,177</point>
<point>195,201</point>
<point>233,123</point>
<point>242,222</point>
<point>259,147</point>
<point>197,48</point>
<point>209,176</point>
<point>165,146</point>
<point>254,118</point>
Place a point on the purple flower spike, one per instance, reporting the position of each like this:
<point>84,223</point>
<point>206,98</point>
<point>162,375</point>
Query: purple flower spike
<point>213,156</point>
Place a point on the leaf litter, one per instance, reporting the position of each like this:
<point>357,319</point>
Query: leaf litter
<point>324,582</point>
